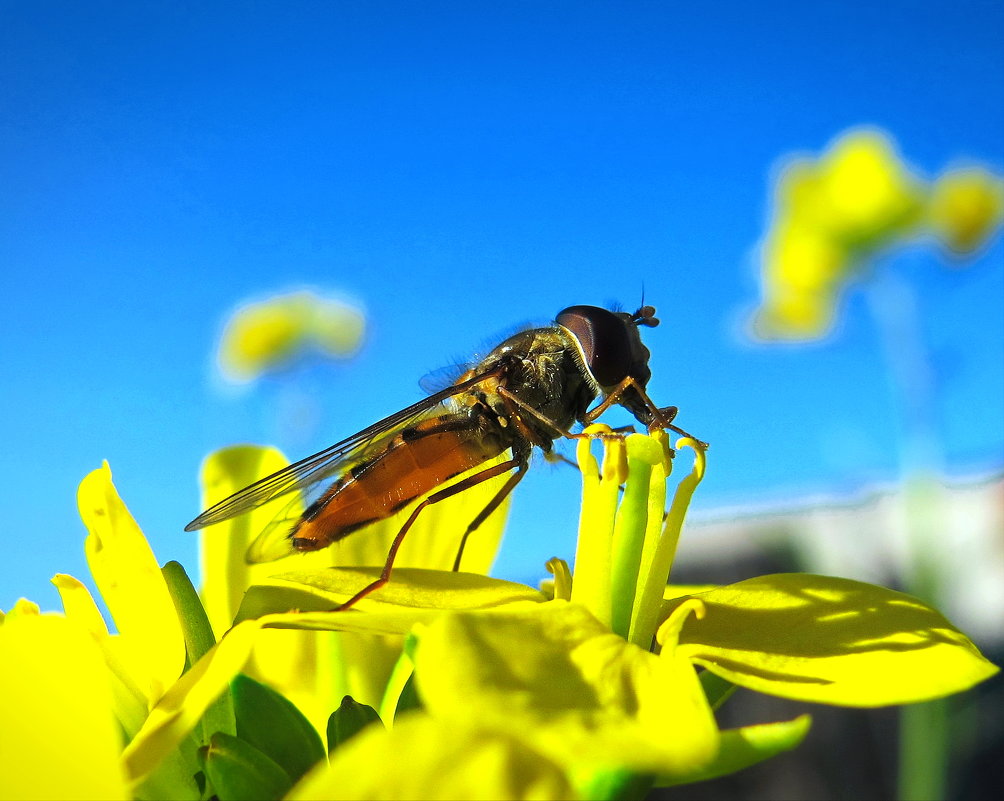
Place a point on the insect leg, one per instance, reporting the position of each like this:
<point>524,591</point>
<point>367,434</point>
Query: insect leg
<point>491,506</point>
<point>558,430</point>
<point>661,418</point>
<point>436,497</point>
<point>512,401</point>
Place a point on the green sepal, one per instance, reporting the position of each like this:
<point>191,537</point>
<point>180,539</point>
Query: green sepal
<point>348,720</point>
<point>618,785</point>
<point>741,748</point>
<point>408,699</point>
<point>716,689</point>
<point>273,725</point>
<point>236,771</point>
<point>199,638</point>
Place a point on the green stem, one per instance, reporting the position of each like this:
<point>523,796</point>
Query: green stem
<point>925,729</point>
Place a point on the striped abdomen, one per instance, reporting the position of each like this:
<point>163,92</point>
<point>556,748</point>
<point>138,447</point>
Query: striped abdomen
<point>416,461</point>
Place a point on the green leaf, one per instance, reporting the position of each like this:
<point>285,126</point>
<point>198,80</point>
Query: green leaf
<point>348,720</point>
<point>741,748</point>
<point>830,641</point>
<point>271,723</point>
<point>199,639</point>
<point>238,771</point>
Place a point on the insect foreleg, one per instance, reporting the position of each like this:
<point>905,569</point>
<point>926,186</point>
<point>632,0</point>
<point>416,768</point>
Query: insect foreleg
<point>661,418</point>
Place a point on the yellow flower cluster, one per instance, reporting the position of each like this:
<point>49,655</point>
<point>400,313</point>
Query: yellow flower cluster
<point>857,199</point>
<point>270,334</point>
<point>500,690</point>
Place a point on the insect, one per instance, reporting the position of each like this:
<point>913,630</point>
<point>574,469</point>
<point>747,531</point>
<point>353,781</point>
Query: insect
<point>527,392</point>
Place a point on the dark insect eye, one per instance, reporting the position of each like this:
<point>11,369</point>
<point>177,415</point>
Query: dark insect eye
<point>610,342</point>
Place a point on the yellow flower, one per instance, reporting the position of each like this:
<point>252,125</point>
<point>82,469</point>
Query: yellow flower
<point>316,669</point>
<point>578,694</point>
<point>966,208</point>
<point>592,693</point>
<point>564,676</point>
<point>123,674</point>
<point>269,334</point>
<point>59,737</point>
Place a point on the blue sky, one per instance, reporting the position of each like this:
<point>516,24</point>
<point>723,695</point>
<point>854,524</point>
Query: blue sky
<point>460,169</point>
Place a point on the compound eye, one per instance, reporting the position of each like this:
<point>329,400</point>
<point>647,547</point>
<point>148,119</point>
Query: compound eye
<point>608,341</point>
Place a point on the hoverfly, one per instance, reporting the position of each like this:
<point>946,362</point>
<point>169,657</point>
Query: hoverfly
<point>527,392</point>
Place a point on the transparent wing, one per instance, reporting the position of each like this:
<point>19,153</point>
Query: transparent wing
<point>443,377</point>
<point>307,474</point>
<point>272,542</point>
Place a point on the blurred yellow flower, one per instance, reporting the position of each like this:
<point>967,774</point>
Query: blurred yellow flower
<point>833,214</point>
<point>269,334</point>
<point>866,195</point>
<point>965,208</point>
<point>802,272</point>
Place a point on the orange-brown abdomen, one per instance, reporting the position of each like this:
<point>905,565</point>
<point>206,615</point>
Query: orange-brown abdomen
<point>414,463</point>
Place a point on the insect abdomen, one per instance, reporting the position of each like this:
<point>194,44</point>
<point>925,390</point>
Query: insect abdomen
<point>416,462</point>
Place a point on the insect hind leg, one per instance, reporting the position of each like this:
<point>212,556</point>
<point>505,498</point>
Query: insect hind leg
<point>490,507</point>
<point>436,497</point>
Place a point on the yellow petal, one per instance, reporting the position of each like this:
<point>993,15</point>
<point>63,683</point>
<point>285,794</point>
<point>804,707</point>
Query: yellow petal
<point>183,705</point>
<point>23,607</point>
<point>597,516</point>
<point>554,676</point>
<point>409,588</point>
<point>443,760</point>
<point>831,640</point>
<point>226,573</point>
<point>129,701</point>
<point>79,605</point>
<point>58,738</point>
<point>129,579</point>
<point>652,582</point>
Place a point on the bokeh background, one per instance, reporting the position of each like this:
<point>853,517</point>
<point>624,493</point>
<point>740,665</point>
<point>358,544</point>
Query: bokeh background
<point>455,171</point>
